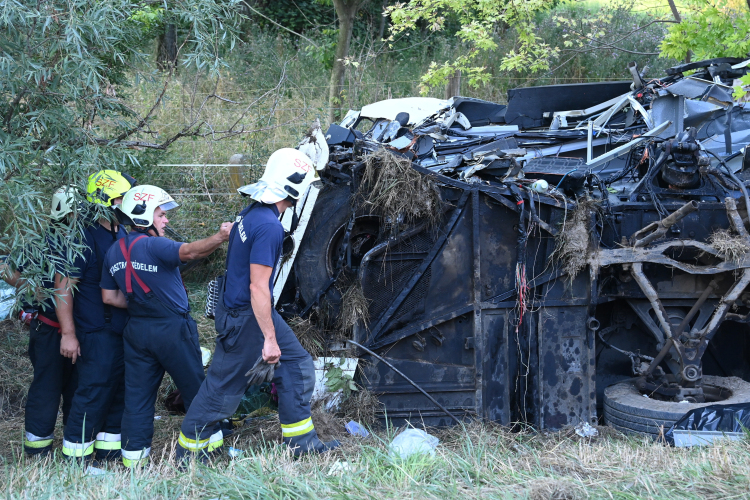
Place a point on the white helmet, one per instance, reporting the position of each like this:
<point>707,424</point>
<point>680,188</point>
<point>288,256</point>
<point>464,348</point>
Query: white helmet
<point>288,174</point>
<point>139,203</point>
<point>63,202</point>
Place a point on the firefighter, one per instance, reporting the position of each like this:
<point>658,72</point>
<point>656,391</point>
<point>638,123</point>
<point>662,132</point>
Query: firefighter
<point>92,331</point>
<point>54,374</point>
<point>142,274</point>
<point>248,326</point>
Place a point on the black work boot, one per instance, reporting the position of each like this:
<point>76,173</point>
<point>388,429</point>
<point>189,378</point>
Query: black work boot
<point>309,443</point>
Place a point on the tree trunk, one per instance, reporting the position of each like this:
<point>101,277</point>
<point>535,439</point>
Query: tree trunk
<point>453,87</point>
<point>166,54</point>
<point>678,18</point>
<point>346,10</point>
<point>381,30</point>
<point>675,12</point>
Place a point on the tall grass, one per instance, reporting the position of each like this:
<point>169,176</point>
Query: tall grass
<point>477,461</point>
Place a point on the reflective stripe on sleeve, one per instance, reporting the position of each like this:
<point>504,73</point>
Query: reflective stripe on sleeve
<point>33,441</point>
<point>135,458</point>
<point>106,441</point>
<point>297,428</point>
<point>71,449</point>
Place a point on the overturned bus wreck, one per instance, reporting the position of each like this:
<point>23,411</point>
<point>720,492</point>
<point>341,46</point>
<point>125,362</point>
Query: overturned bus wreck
<point>550,261</point>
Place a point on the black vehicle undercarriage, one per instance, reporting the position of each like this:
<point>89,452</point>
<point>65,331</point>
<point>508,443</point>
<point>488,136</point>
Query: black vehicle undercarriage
<point>581,237</point>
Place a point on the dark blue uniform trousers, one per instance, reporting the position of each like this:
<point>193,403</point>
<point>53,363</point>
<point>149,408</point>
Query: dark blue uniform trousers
<point>96,410</point>
<point>156,339</point>
<point>239,344</point>
<point>54,378</point>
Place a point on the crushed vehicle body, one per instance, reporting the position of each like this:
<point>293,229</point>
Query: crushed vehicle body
<point>544,261</point>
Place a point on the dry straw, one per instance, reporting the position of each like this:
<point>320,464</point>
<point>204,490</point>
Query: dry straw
<point>573,239</point>
<point>729,246</point>
<point>392,188</point>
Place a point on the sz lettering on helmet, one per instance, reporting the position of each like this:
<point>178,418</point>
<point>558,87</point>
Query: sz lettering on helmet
<point>302,165</point>
<point>104,182</point>
<point>143,197</point>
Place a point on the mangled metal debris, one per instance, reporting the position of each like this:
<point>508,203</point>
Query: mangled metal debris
<point>471,300</point>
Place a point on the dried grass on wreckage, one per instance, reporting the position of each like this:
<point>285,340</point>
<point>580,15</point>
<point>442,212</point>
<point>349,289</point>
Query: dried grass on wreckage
<point>572,243</point>
<point>729,246</point>
<point>393,189</point>
<point>354,306</point>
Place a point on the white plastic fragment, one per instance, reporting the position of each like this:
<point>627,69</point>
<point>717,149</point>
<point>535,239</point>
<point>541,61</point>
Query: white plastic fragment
<point>339,467</point>
<point>413,441</point>
<point>95,471</point>
<point>205,356</point>
<point>356,429</point>
<point>234,452</point>
<point>584,429</point>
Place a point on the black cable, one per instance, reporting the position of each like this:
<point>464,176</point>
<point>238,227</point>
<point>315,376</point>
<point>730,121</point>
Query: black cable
<point>732,176</point>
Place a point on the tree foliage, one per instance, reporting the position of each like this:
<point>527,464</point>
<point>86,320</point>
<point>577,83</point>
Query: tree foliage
<point>65,71</point>
<point>479,20</point>
<point>709,29</point>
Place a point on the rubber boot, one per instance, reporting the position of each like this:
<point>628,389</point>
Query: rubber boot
<point>309,443</point>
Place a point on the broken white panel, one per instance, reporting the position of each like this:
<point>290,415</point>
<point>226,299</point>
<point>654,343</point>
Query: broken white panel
<point>419,108</point>
<point>305,207</point>
<point>639,107</point>
<point>628,146</point>
<point>564,148</point>
<point>350,118</point>
<point>602,120</point>
<point>314,145</point>
<point>573,113</point>
<point>320,392</point>
<point>741,65</point>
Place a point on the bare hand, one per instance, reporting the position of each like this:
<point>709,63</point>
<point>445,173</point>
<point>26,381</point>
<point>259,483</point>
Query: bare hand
<point>69,346</point>
<point>225,229</point>
<point>271,352</point>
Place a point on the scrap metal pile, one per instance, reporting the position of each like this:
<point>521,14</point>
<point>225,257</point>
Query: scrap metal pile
<point>516,261</point>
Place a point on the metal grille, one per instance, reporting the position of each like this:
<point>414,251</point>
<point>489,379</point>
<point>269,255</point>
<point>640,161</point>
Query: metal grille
<point>386,276</point>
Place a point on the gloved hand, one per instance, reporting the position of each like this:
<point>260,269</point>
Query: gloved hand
<point>261,372</point>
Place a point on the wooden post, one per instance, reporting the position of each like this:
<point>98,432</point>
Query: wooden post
<point>235,171</point>
<point>453,87</point>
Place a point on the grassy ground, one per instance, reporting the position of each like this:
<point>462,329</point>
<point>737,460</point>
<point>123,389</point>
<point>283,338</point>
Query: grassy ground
<point>478,461</point>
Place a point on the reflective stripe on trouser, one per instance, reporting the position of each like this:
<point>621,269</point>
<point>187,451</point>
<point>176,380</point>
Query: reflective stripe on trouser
<point>99,398</point>
<point>208,445</point>
<point>238,344</point>
<point>156,340</point>
<point>36,442</point>
<point>297,428</point>
<point>106,441</point>
<point>54,378</point>
<point>71,449</point>
<point>135,458</point>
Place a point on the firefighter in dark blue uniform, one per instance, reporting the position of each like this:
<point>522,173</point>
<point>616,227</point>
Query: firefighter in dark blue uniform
<point>54,374</point>
<point>248,326</point>
<point>141,273</point>
<point>92,332</point>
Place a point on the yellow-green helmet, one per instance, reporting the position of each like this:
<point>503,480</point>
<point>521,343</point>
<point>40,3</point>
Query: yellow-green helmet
<point>106,185</point>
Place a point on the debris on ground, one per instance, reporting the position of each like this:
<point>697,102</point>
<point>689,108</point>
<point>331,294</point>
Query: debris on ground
<point>356,429</point>
<point>413,441</point>
<point>339,467</point>
<point>586,430</point>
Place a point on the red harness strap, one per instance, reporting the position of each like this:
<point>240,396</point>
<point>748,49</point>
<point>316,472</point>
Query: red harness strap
<point>129,271</point>
<point>47,321</point>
